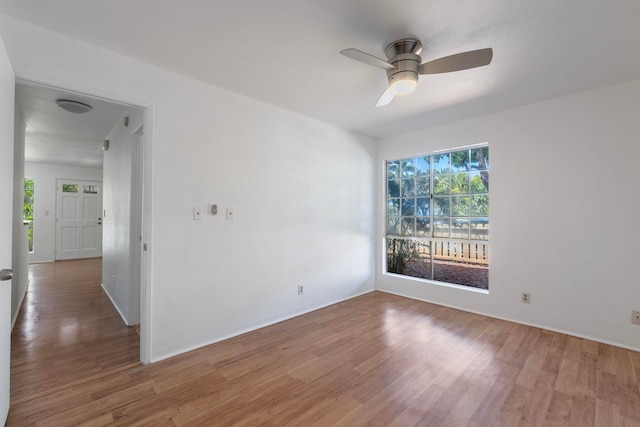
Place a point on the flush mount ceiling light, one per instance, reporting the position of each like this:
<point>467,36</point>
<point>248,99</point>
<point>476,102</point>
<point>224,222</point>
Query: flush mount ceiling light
<point>73,106</point>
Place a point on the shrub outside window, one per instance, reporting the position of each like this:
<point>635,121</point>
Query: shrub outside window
<point>437,217</point>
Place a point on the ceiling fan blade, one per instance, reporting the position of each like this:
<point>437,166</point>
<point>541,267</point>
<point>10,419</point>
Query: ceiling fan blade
<point>457,62</point>
<point>368,59</point>
<point>386,97</point>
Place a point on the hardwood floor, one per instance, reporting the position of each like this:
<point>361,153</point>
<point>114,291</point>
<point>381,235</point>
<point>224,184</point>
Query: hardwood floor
<point>67,330</point>
<point>378,359</point>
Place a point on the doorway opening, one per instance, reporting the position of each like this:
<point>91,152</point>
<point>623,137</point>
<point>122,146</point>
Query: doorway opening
<point>88,174</point>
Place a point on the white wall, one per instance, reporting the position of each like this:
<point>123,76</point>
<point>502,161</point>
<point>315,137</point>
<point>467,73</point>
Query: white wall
<point>20,230</point>
<point>44,203</point>
<point>117,251</point>
<point>564,213</point>
<point>302,192</point>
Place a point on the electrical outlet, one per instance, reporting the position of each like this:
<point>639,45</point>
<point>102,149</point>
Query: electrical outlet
<point>526,297</point>
<point>635,317</point>
<point>300,290</point>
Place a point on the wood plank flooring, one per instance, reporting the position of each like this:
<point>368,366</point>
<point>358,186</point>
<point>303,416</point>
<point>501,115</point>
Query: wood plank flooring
<point>378,359</point>
<point>67,330</point>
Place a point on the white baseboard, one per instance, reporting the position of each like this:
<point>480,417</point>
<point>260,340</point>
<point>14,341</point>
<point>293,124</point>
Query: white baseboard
<point>15,316</point>
<point>535,325</point>
<point>254,328</point>
<point>113,302</point>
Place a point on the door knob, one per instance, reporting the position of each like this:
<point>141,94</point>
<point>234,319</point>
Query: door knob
<point>6,274</point>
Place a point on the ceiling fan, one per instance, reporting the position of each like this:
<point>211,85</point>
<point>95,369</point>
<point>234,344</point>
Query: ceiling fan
<point>403,65</point>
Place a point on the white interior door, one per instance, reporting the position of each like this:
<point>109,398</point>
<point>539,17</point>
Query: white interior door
<point>78,219</point>
<point>7,87</point>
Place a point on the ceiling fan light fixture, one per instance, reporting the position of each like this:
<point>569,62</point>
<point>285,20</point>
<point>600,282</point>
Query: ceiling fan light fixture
<point>404,65</point>
<point>403,87</point>
<point>75,107</point>
<point>402,82</point>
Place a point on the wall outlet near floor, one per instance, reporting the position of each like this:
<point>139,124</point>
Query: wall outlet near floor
<point>526,297</point>
<point>635,317</point>
<point>300,289</point>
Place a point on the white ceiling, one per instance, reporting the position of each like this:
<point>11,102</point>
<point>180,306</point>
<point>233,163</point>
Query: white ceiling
<point>285,52</point>
<point>56,136</point>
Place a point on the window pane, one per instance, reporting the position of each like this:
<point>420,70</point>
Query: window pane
<point>410,258</point>
<point>393,188</point>
<point>408,207</point>
<point>460,228</point>
<point>408,168</point>
<point>442,184</point>
<point>461,263</point>
<point>423,227</point>
<point>419,264</point>
<point>479,205</point>
<point>479,182</point>
<point>393,207</point>
<point>69,188</point>
<point>441,163</point>
<point>423,165</point>
<point>422,206</point>
<point>27,208</point>
<point>422,187</point>
<point>460,205</point>
<point>441,206</point>
<point>480,158</point>
<point>397,252</point>
<point>480,228</point>
<point>460,183</point>
<point>460,161</point>
<point>393,170</point>
<point>408,226</point>
<point>441,227</point>
<point>90,189</point>
<point>393,225</point>
<point>408,187</point>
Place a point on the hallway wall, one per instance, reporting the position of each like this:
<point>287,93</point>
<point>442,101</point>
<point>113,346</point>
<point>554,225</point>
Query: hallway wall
<point>20,241</point>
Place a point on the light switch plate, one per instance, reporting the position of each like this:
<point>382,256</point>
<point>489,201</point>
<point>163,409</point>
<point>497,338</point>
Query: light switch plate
<point>197,213</point>
<point>229,214</point>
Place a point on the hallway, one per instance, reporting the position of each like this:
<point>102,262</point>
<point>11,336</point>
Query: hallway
<point>67,330</point>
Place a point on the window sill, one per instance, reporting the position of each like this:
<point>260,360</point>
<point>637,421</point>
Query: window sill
<point>435,282</point>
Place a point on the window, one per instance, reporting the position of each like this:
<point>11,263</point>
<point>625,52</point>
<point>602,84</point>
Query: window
<point>27,209</point>
<point>69,188</point>
<point>438,217</point>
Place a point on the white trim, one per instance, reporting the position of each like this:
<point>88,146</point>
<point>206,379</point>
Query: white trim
<point>113,302</point>
<point>15,315</point>
<point>146,259</point>
<point>34,79</point>
<point>255,328</point>
<point>441,151</point>
<point>435,282</point>
<point>520,322</point>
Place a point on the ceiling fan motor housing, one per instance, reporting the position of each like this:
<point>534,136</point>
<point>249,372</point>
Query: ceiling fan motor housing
<point>407,68</point>
<point>404,55</point>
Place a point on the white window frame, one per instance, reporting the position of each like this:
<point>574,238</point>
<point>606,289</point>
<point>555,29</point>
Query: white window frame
<point>476,249</point>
